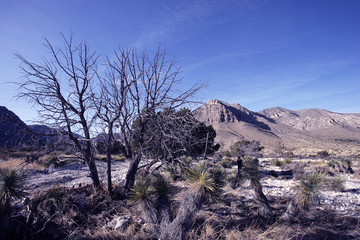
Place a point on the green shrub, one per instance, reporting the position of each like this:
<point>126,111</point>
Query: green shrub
<point>288,161</point>
<point>278,162</point>
<point>337,184</point>
<point>226,163</point>
<point>227,154</point>
<point>333,163</point>
<point>323,154</point>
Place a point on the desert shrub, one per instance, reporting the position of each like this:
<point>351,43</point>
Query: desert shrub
<point>12,185</point>
<point>205,185</point>
<point>227,154</point>
<point>177,167</point>
<point>233,179</point>
<point>52,159</point>
<point>347,163</point>
<point>208,182</point>
<point>120,158</point>
<point>298,171</point>
<point>58,215</point>
<point>278,163</point>
<point>4,154</point>
<point>323,154</point>
<point>226,163</point>
<point>287,161</point>
<point>152,196</point>
<point>333,163</point>
<point>337,184</point>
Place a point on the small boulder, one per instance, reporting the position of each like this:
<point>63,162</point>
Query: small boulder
<point>121,223</point>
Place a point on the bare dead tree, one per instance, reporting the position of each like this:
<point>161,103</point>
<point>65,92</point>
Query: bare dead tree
<point>61,86</point>
<point>149,85</point>
<point>110,103</point>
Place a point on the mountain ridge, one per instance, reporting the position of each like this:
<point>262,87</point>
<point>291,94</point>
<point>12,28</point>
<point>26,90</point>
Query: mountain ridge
<point>307,130</point>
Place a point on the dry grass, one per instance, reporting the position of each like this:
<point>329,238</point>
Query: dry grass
<point>16,163</point>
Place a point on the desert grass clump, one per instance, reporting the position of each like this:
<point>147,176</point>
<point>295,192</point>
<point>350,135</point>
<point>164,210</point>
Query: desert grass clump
<point>337,184</point>
<point>278,163</point>
<point>12,185</point>
<point>298,171</point>
<point>287,161</point>
<point>226,163</point>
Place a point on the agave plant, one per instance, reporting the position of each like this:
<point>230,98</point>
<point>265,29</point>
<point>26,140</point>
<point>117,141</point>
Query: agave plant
<point>12,184</point>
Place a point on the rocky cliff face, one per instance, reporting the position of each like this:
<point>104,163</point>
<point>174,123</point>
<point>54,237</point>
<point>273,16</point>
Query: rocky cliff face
<point>215,111</point>
<point>309,129</point>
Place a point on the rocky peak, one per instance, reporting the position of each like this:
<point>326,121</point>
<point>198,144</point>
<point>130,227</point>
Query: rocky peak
<point>215,111</point>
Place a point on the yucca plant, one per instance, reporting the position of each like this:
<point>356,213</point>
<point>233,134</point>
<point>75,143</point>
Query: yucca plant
<point>309,189</point>
<point>205,184</point>
<point>143,195</point>
<point>12,185</point>
<point>251,172</point>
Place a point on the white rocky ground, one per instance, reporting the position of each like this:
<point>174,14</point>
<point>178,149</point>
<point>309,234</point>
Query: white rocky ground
<point>77,174</point>
<point>72,175</point>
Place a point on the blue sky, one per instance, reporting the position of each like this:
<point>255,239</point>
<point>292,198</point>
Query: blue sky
<point>261,54</point>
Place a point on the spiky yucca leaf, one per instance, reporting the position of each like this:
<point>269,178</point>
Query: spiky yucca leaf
<point>12,184</point>
<point>142,190</point>
<point>160,185</point>
<point>309,189</point>
<point>208,182</point>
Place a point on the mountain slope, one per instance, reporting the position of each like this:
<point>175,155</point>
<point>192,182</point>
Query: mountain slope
<point>308,130</point>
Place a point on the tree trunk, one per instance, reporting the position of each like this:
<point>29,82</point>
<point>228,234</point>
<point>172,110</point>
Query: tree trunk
<point>291,211</point>
<point>108,158</point>
<point>130,176</point>
<point>261,198</point>
<point>89,159</point>
<point>189,206</point>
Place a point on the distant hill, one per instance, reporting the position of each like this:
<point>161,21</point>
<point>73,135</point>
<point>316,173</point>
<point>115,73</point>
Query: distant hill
<point>15,133</point>
<point>303,131</point>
